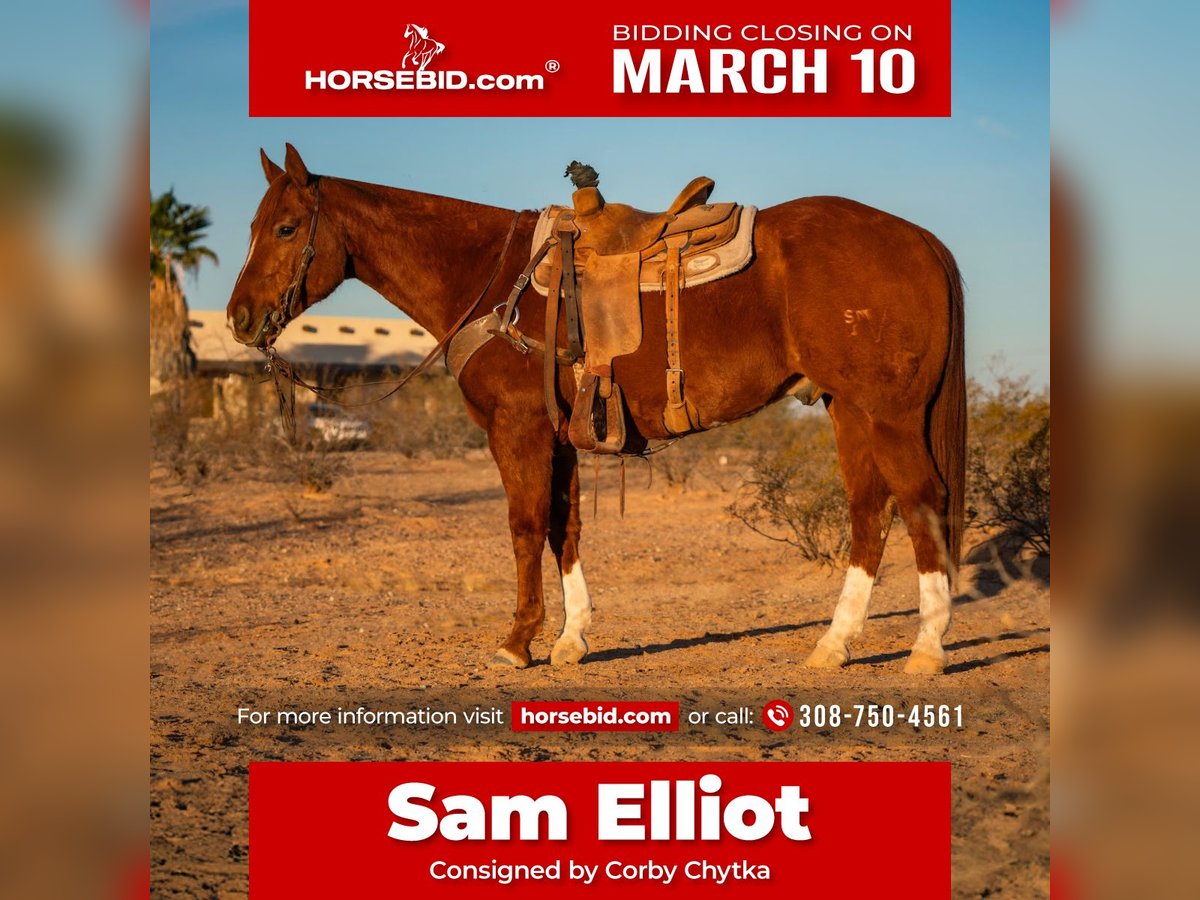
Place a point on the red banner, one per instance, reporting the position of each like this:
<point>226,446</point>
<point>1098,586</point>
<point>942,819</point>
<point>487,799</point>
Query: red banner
<point>663,828</point>
<point>609,715</point>
<point>374,58</point>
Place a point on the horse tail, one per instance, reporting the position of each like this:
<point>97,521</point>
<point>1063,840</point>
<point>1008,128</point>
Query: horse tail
<point>948,411</point>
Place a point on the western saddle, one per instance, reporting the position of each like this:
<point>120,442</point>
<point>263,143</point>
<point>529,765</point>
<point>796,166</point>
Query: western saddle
<point>594,262</point>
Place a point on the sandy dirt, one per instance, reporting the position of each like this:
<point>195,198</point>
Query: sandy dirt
<point>394,590</point>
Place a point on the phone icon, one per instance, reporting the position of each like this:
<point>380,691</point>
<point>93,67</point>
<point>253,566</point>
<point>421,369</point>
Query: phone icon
<point>777,715</point>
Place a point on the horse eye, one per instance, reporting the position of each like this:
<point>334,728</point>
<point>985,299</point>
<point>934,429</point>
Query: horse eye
<point>284,231</point>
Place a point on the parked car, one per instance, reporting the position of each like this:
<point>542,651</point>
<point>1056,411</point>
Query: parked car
<point>337,428</point>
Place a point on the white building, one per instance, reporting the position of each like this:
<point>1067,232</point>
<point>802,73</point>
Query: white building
<point>336,345</point>
<point>324,350</point>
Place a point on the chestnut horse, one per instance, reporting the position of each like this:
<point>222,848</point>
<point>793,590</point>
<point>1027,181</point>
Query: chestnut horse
<point>864,304</point>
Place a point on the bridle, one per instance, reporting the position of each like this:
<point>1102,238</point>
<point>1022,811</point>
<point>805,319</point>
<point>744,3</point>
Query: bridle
<point>282,371</point>
<point>289,299</point>
<point>292,294</point>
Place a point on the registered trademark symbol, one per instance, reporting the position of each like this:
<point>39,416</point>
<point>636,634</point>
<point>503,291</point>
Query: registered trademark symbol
<point>552,65</point>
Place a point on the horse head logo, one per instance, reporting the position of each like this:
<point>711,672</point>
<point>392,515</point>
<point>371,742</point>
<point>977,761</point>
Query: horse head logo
<point>421,47</point>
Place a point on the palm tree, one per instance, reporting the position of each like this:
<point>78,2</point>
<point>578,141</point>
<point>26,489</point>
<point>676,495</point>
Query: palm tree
<point>176,232</point>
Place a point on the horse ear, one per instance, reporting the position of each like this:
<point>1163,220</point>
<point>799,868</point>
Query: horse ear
<point>271,170</point>
<point>296,169</point>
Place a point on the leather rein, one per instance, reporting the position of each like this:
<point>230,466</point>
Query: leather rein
<point>281,370</point>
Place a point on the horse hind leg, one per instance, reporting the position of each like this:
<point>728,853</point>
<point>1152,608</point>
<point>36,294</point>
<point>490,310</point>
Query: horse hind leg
<point>871,511</point>
<point>903,457</point>
<point>571,645</point>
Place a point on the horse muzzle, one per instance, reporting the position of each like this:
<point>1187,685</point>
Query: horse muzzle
<point>269,328</point>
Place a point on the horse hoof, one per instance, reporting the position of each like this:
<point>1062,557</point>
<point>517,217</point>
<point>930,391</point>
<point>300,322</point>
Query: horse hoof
<point>505,657</point>
<point>920,663</point>
<point>824,657</point>
<point>567,651</point>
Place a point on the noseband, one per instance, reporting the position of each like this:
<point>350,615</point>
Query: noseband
<point>289,301</point>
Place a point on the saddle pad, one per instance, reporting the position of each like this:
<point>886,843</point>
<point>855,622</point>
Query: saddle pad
<point>720,262</point>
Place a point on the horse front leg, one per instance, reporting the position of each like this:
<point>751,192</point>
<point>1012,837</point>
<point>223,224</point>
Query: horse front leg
<point>523,454</point>
<point>571,645</point>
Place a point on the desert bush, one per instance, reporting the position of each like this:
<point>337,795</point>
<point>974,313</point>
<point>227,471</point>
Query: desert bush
<point>241,436</point>
<point>208,449</point>
<point>679,463</point>
<point>312,465</point>
<point>794,493</point>
<point>426,418</point>
<point>220,452</point>
<point>766,432</point>
<point>169,441</point>
<point>1003,416</point>
<point>245,431</point>
<point>722,456</point>
<point>1008,464</point>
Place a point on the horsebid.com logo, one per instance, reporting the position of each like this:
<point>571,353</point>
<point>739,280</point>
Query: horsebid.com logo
<point>421,47</point>
<point>413,74</point>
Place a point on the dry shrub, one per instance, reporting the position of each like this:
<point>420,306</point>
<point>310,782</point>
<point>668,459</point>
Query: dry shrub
<point>244,437</point>
<point>204,450</point>
<point>723,455</point>
<point>795,493</point>
<point>767,431</point>
<point>313,465</point>
<point>169,440</point>
<point>1008,466</point>
<point>222,452</point>
<point>426,418</point>
<point>678,464</point>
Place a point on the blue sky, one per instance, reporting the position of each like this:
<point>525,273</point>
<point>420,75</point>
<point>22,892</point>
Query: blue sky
<point>978,179</point>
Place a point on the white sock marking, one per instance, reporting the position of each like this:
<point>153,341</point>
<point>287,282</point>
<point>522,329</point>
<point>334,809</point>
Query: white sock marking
<point>935,612</point>
<point>851,612</point>
<point>577,602</point>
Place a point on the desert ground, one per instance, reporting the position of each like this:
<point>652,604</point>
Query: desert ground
<point>393,589</point>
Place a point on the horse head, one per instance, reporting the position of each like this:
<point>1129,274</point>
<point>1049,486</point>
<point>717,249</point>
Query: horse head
<point>297,254</point>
